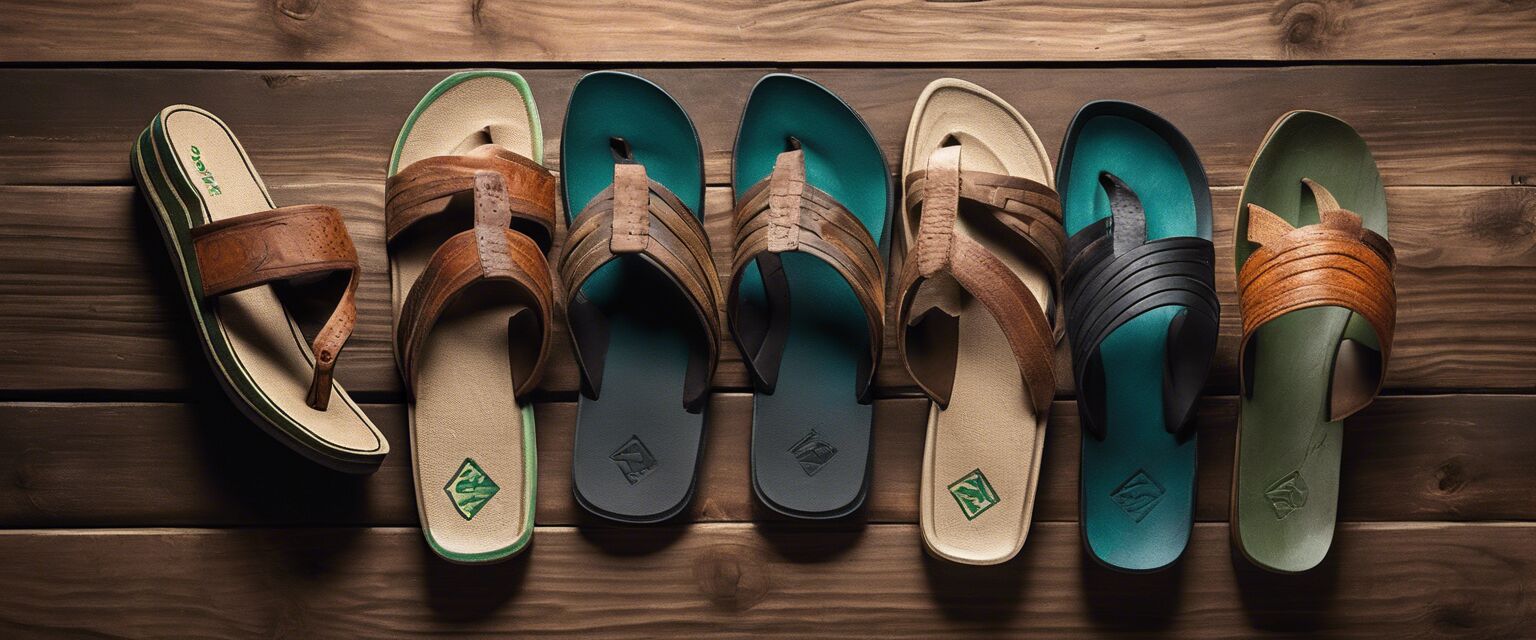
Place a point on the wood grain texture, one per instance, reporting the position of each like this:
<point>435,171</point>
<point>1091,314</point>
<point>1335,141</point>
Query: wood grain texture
<point>1427,125</point>
<point>1436,512</point>
<point>1406,458</point>
<point>82,273</point>
<point>548,31</point>
<point>741,581</point>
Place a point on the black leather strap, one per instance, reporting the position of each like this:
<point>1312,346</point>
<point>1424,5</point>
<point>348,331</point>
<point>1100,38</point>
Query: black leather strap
<point>1113,275</point>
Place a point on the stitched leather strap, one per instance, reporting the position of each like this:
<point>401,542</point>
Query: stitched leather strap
<point>638,216</point>
<point>1032,211</point>
<point>1115,275</point>
<point>784,213</point>
<point>246,251</point>
<point>488,253</point>
<point>426,188</point>
<point>1337,262</point>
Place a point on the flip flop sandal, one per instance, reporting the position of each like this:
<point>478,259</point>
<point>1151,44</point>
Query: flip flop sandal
<point>806,299</point>
<point>977,263</point>
<point>1143,318</point>
<point>644,296</point>
<point>231,245</point>
<point>468,216</point>
<point>1315,284</point>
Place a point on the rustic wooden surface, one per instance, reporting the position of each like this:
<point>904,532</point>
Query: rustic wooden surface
<point>136,502</point>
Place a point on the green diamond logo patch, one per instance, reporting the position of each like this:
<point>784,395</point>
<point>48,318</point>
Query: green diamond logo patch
<point>973,493</point>
<point>470,489</point>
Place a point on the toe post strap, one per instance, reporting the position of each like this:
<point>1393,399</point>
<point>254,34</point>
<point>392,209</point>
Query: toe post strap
<point>783,213</point>
<point>1337,262</point>
<point>510,263</point>
<point>639,217</point>
<point>1114,275</point>
<point>943,257</point>
<point>427,188</point>
<point>247,251</point>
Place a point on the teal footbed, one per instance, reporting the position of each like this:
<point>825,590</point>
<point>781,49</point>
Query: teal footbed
<point>827,335</point>
<point>1138,458</point>
<point>650,322</point>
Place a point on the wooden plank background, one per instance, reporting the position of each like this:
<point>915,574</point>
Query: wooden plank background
<point>136,502</point>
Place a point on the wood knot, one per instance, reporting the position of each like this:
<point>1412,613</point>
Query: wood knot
<point>731,578</point>
<point>1307,25</point>
<point>1458,616</point>
<point>26,468</point>
<point>1504,218</point>
<point>280,80</point>
<point>298,9</point>
<point>1450,476</point>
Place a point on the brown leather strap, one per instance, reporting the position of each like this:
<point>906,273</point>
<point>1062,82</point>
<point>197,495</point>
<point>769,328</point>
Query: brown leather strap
<point>784,213</point>
<point>1338,263</point>
<point>638,216</point>
<point>1033,212</point>
<point>490,252</point>
<point>427,186</point>
<point>246,251</point>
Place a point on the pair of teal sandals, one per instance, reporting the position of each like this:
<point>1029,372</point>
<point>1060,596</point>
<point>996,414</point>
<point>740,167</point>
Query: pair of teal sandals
<point>1131,283</point>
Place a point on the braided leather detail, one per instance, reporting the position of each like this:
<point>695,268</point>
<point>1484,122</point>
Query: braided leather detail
<point>246,251</point>
<point>641,216</point>
<point>1033,212</point>
<point>784,213</point>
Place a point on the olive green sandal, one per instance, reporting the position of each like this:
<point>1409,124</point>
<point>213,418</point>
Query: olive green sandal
<point>231,246</point>
<point>1315,282</point>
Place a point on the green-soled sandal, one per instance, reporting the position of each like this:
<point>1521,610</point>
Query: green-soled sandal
<point>469,212</point>
<point>229,244</point>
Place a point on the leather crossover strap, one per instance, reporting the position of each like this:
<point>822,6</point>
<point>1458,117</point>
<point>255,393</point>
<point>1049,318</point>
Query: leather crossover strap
<point>490,253</point>
<point>1337,262</point>
<point>784,213</point>
<point>1029,215</point>
<point>246,251</point>
<point>1114,275</point>
<point>640,217</point>
<point>427,187</point>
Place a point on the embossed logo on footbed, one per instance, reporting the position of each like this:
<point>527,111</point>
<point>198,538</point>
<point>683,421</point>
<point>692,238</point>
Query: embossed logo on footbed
<point>635,461</point>
<point>1138,495</point>
<point>812,452</point>
<point>1287,494</point>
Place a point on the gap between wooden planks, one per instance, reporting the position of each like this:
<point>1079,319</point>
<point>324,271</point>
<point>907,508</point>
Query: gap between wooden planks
<point>1426,125</point>
<point>1406,458</point>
